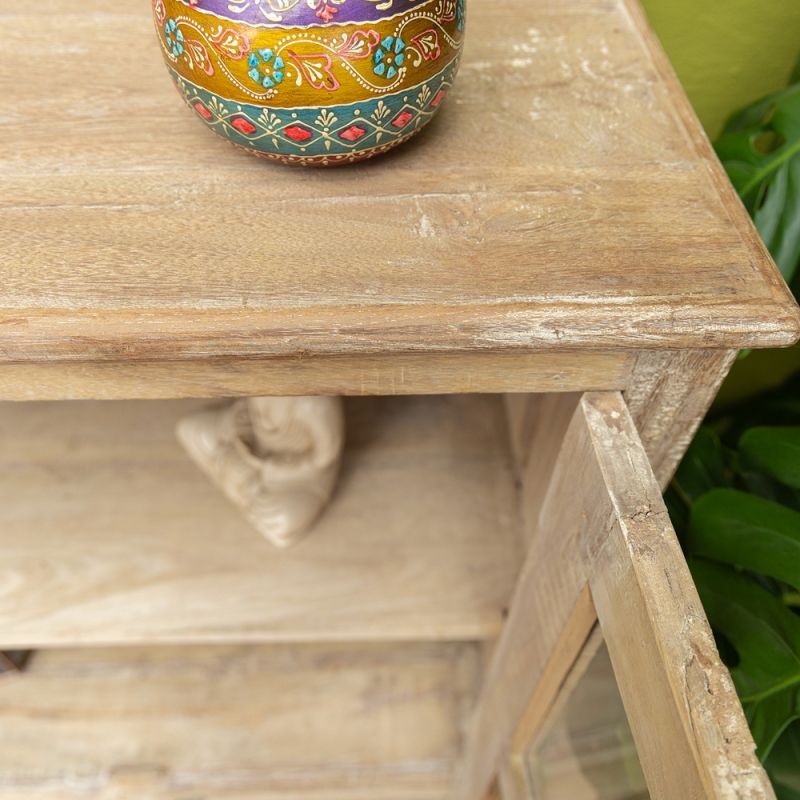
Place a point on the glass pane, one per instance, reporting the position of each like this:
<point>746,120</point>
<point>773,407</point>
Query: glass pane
<point>588,754</point>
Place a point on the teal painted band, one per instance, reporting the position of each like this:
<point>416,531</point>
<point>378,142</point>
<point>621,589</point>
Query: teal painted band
<point>316,132</point>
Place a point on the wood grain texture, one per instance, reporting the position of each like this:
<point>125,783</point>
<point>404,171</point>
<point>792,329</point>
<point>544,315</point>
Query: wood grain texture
<point>548,613</point>
<point>562,664</point>
<point>687,721</point>
<point>668,396</point>
<point>388,374</point>
<point>593,218</point>
<point>603,526</point>
<point>548,418</point>
<point>369,722</point>
<point>111,535</point>
<point>527,744</point>
<point>521,416</point>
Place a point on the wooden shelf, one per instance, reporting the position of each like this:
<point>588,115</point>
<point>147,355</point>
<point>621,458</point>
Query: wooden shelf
<point>297,722</point>
<point>110,535</point>
<point>563,200</point>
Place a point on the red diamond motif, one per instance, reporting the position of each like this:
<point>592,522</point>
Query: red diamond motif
<point>402,119</point>
<point>353,133</point>
<point>243,126</point>
<point>202,110</point>
<point>438,99</point>
<point>298,133</point>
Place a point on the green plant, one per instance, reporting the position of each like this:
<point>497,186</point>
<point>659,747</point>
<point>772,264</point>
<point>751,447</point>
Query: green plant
<point>735,502</point>
<point>782,765</point>
<point>760,149</point>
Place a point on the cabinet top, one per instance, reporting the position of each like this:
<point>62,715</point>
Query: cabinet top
<point>564,198</point>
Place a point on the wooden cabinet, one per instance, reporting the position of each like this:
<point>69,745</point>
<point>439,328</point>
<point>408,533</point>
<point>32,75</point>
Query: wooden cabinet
<point>529,309</point>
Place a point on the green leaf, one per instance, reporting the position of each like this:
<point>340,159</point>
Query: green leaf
<point>746,531</point>
<point>783,764</point>
<point>775,451</point>
<point>766,636</point>
<point>778,219</point>
<point>702,469</point>
<point>703,466</point>
<point>779,406</point>
<point>760,149</point>
<point>764,633</point>
<point>762,485</point>
<point>770,716</point>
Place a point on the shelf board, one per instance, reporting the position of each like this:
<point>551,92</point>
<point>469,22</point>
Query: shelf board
<point>257,722</point>
<point>111,535</point>
<point>564,199</point>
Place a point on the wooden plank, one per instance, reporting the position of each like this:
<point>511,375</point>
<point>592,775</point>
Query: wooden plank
<point>396,374</point>
<point>527,737</point>
<point>512,781</point>
<point>536,424</point>
<point>550,613</point>
<point>560,666</point>
<point>603,228</point>
<point>110,534</point>
<point>678,696</point>
<point>695,134</point>
<point>548,421</point>
<point>521,416</point>
<point>323,722</point>
<point>603,486</point>
<point>668,395</point>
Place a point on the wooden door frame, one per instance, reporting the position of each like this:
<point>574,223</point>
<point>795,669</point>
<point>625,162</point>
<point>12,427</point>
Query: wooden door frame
<point>603,548</point>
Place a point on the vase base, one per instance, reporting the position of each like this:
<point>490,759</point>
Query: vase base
<point>327,160</point>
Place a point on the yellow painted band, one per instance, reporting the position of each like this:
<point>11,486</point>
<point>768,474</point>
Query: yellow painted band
<point>324,65</point>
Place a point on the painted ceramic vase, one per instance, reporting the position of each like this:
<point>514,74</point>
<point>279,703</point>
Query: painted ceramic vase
<point>313,82</point>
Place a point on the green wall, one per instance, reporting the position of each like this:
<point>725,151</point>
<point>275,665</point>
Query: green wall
<point>728,53</point>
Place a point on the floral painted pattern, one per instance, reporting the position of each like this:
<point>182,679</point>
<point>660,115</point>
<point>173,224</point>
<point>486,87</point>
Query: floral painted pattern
<point>324,10</point>
<point>389,57</point>
<point>173,37</point>
<point>337,134</point>
<point>266,69</point>
<point>310,66</point>
<point>331,91</point>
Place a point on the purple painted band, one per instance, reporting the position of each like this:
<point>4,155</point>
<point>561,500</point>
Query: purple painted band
<point>304,12</point>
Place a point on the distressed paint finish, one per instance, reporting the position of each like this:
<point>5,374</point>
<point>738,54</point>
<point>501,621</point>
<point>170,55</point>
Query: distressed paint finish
<point>324,93</point>
<point>174,536</point>
<point>602,542</point>
<point>598,223</point>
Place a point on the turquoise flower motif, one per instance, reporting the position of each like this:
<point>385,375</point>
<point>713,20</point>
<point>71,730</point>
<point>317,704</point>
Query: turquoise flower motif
<point>266,69</point>
<point>174,37</point>
<point>460,16</point>
<point>388,57</point>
